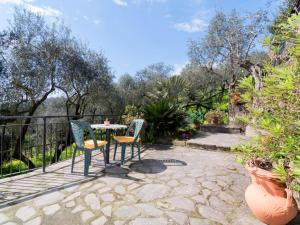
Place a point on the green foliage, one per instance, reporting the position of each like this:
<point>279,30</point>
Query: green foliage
<point>192,123</point>
<point>205,91</point>
<point>17,166</point>
<point>275,111</point>
<point>131,112</point>
<point>285,9</point>
<point>172,89</point>
<point>221,103</point>
<point>194,116</point>
<point>163,119</point>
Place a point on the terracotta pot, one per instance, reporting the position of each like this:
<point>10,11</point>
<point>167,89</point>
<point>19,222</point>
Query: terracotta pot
<point>270,201</point>
<point>215,120</point>
<point>197,125</point>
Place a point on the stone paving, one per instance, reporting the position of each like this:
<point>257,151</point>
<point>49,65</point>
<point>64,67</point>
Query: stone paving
<point>171,185</point>
<point>217,141</point>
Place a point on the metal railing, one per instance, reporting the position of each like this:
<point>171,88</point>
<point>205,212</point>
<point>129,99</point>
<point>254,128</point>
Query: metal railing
<point>31,142</point>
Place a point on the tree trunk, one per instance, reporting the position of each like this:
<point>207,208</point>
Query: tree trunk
<point>61,145</point>
<point>17,154</point>
<point>236,109</point>
<point>257,73</point>
<point>19,145</point>
<point>59,148</point>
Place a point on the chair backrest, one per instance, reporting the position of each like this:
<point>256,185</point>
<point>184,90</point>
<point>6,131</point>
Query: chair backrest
<point>78,127</point>
<point>137,125</point>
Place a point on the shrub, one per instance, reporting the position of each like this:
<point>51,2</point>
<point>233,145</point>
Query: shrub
<point>163,119</point>
<point>131,112</point>
<point>276,113</point>
<point>215,117</point>
<point>194,117</point>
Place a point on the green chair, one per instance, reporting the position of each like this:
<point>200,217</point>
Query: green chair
<point>78,128</point>
<point>134,140</point>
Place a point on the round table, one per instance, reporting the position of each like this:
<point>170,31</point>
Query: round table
<point>108,129</point>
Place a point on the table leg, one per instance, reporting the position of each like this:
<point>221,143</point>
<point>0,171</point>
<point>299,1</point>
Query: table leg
<point>107,146</point>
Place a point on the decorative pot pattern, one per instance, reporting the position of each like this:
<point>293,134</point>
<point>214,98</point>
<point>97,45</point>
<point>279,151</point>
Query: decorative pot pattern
<point>270,201</point>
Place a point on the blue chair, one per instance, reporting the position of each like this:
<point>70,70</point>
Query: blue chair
<point>78,128</point>
<point>134,140</point>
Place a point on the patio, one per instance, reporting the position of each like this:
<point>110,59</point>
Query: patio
<point>173,185</point>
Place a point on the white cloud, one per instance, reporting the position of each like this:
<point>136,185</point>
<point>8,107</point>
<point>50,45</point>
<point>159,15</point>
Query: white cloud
<point>43,10</point>
<point>152,1</point>
<point>16,2</point>
<point>125,2</point>
<point>96,22</point>
<point>178,68</point>
<point>121,2</point>
<point>195,25</point>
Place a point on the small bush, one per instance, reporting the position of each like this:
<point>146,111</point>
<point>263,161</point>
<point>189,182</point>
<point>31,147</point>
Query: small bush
<point>276,112</point>
<point>163,119</point>
<point>215,117</point>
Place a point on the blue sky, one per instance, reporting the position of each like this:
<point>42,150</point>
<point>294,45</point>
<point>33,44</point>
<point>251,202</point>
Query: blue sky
<point>135,33</point>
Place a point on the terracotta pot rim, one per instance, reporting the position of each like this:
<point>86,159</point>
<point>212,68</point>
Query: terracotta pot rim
<point>262,173</point>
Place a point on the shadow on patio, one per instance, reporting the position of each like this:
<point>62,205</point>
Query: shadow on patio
<point>17,189</point>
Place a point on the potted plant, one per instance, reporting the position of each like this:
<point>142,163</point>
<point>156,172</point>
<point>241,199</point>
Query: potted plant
<point>215,117</point>
<point>273,156</point>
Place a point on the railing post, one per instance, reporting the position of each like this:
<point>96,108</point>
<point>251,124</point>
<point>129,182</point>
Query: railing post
<point>44,144</point>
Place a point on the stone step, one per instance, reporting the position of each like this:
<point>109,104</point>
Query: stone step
<point>208,146</point>
<point>216,141</point>
<point>227,129</point>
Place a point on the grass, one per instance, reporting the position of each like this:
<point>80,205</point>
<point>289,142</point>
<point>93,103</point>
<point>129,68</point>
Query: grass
<point>16,166</point>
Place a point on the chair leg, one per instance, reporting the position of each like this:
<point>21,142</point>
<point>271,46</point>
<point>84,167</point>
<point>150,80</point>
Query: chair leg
<point>103,151</point>
<point>115,152</point>
<point>123,153</point>
<point>139,150</point>
<point>132,151</point>
<point>73,159</point>
<point>87,162</point>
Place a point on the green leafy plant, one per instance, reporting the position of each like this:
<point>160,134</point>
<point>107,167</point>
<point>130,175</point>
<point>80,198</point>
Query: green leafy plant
<point>131,112</point>
<point>163,119</point>
<point>276,112</point>
<point>195,117</point>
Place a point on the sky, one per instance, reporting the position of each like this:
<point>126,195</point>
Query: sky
<point>135,33</point>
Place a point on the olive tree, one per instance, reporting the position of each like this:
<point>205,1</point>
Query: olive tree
<point>84,72</point>
<point>204,87</point>
<point>30,51</point>
<point>148,77</point>
<point>128,89</point>
<point>230,40</point>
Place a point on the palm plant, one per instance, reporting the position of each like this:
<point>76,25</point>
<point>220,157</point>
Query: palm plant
<point>163,112</point>
<point>173,89</point>
<point>163,119</point>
